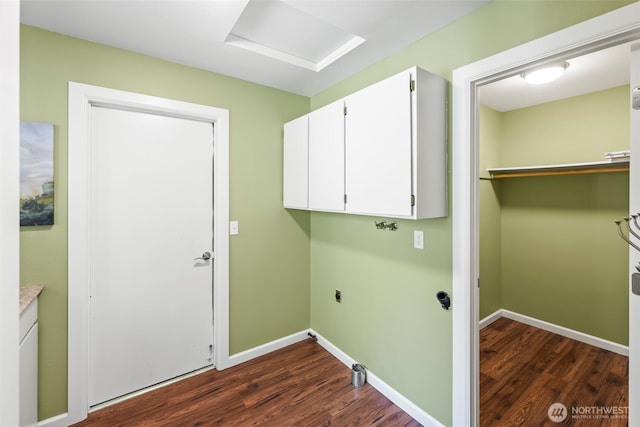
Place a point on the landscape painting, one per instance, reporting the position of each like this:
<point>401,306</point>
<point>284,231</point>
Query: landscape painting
<point>36,174</point>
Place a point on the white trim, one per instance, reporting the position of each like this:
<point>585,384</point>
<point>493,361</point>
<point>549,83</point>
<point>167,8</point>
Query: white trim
<point>280,55</point>
<point>568,333</point>
<point>61,420</point>
<point>556,329</point>
<point>81,97</point>
<point>634,256</point>
<point>490,319</point>
<point>389,392</point>
<point>9,217</point>
<point>613,28</point>
<point>263,349</point>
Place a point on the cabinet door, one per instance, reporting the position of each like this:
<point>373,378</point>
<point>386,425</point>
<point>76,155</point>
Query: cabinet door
<point>296,163</point>
<point>326,158</point>
<point>29,378</point>
<point>378,148</point>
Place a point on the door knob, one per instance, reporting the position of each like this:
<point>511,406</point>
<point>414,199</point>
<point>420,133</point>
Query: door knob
<point>205,256</point>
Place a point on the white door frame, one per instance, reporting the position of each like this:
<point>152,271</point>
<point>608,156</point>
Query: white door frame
<point>9,217</point>
<point>81,98</point>
<point>610,29</point>
<point>634,257</point>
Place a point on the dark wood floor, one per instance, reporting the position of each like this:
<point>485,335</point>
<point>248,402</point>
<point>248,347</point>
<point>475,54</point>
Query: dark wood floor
<point>524,370</point>
<point>301,385</point>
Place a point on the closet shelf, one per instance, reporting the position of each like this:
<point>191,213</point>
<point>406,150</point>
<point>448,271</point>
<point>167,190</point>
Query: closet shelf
<point>565,169</point>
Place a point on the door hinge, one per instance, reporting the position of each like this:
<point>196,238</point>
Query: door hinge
<point>345,110</point>
<point>635,98</point>
<point>345,199</point>
<point>412,85</point>
<point>478,283</point>
<point>413,200</point>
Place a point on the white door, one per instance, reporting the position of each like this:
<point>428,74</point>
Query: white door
<point>151,191</point>
<point>634,258</point>
<point>378,148</point>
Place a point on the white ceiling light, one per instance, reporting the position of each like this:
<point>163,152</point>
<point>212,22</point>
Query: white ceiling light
<point>545,74</point>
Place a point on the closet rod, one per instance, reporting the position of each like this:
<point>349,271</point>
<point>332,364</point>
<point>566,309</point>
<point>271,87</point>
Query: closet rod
<point>566,169</point>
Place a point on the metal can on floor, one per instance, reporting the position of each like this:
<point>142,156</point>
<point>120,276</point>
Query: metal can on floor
<point>358,375</point>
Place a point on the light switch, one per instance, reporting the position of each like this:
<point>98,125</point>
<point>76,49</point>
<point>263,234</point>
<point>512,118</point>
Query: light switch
<point>418,239</point>
<point>233,228</point>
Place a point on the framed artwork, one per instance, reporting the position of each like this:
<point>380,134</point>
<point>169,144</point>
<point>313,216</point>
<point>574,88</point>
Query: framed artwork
<point>36,174</point>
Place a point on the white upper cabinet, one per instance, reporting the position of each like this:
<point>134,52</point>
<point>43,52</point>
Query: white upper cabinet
<point>429,144</point>
<point>326,158</point>
<point>296,164</point>
<point>378,149</point>
<point>385,157</point>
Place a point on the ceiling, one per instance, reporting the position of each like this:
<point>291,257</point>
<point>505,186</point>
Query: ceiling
<point>599,70</point>
<point>300,46</point>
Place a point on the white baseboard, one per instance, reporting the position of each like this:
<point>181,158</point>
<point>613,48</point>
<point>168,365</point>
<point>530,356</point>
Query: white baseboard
<point>263,349</point>
<point>490,319</point>
<point>560,330</point>
<point>57,421</point>
<point>389,392</point>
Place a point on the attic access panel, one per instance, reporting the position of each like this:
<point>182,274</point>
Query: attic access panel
<point>280,31</point>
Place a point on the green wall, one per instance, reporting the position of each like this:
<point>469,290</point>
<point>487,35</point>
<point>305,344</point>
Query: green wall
<point>490,216</point>
<point>561,259</point>
<point>269,259</point>
<point>389,319</point>
<point>578,129</point>
<point>556,217</point>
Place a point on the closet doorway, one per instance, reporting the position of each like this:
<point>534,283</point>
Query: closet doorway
<point>553,178</point>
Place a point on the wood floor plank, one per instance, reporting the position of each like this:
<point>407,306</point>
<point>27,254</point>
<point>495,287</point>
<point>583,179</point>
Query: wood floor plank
<point>524,370</point>
<point>300,385</point>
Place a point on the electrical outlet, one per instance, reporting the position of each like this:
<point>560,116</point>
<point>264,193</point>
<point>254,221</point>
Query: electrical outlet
<point>338,295</point>
<point>418,239</point>
<point>233,228</point>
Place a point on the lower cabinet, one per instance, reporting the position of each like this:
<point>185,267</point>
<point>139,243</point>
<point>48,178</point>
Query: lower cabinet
<point>29,366</point>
